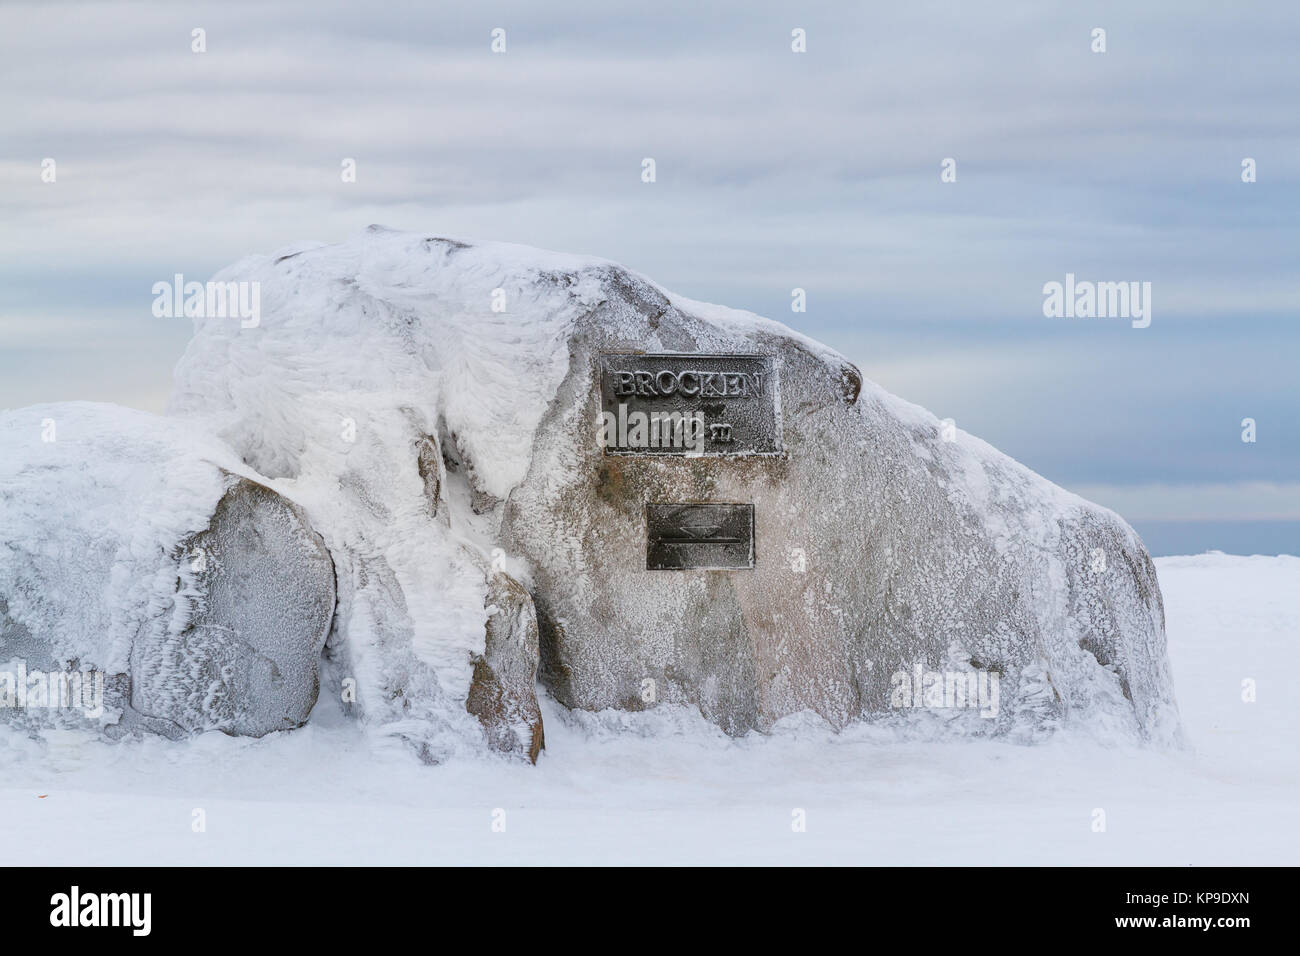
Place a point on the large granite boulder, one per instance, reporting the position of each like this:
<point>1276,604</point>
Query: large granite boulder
<point>805,543</point>
<point>882,544</point>
<point>144,562</point>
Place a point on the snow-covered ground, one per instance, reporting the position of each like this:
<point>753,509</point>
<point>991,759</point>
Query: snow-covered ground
<point>667,788</point>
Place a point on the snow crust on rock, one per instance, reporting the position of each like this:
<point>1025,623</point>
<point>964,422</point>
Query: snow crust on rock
<point>89,521</point>
<point>398,319</point>
<point>132,546</point>
<point>367,353</point>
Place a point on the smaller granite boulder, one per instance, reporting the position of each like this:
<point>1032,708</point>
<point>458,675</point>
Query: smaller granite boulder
<point>247,661</point>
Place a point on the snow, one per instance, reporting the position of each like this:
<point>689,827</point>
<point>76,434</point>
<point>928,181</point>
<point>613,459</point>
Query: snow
<point>123,488</point>
<point>397,319</point>
<point>666,787</point>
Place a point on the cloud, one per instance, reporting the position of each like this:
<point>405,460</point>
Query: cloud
<point>1223,501</point>
<point>775,170</point>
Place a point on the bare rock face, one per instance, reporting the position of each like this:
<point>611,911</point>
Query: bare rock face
<point>883,552</point>
<point>503,693</point>
<point>247,661</point>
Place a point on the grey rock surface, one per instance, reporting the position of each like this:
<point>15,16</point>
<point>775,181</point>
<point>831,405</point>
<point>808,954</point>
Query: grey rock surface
<point>503,693</point>
<point>247,663</point>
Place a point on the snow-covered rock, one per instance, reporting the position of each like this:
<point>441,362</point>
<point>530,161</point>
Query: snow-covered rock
<point>427,400</point>
<point>382,394</point>
<point>139,555</point>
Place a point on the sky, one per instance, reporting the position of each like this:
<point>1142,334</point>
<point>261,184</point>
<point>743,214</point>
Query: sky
<point>774,170</point>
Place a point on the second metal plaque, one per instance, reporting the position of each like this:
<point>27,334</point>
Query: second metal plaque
<point>701,536</point>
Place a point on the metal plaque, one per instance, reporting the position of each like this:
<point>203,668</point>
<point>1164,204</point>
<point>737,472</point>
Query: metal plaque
<point>697,404</point>
<point>706,536</point>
